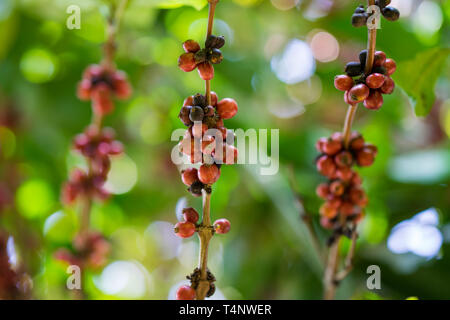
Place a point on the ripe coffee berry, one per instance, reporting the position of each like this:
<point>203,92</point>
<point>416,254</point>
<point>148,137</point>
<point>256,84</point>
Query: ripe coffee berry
<point>185,293</point>
<point>222,226</point>
<point>227,108</point>
<point>208,174</point>
<point>374,101</point>
<point>388,86</point>
<point>379,59</point>
<point>343,82</point>
<point>323,190</point>
<point>359,92</point>
<point>365,157</point>
<point>191,215</point>
<point>184,229</point>
<point>328,211</point>
<point>390,66</point>
<point>325,165</point>
<point>343,159</point>
<point>332,146</point>
<point>189,176</point>
<point>191,46</point>
<point>206,71</point>
<point>375,80</point>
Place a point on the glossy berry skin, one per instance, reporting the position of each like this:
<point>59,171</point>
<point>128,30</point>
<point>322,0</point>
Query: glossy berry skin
<point>185,293</point>
<point>331,147</point>
<point>227,108</point>
<point>101,99</point>
<point>222,226</point>
<point>191,46</point>
<point>357,143</point>
<point>186,62</point>
<point>359,19</point>
<point>328,211</point>
<point>323,190</point>
<point>190,214</point>
<point>344,174</point>
<point>388,86</point>
<point>208,174</point>
<point>189,176</point>
<point>390,66</point>
<point>390,13</point>
<point>206,70</point>
<point>337,188</point>
<point>365,157</point>
<point>379,59</point>
<point>343,159</point>
<point>375,80</point>
<point>359,92</point>
<point>374,101</point>
<point>184,229</point>
<point>353,69</point>
<point>343,82</point>
<point>325,165</point>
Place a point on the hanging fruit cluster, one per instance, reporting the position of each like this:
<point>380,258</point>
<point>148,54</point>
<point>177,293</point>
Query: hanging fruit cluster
<point>345,199</point>
<point>360,16</point>
<point>368,88</point>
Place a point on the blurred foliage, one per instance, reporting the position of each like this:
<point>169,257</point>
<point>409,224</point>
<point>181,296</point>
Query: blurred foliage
<point>267,254</point>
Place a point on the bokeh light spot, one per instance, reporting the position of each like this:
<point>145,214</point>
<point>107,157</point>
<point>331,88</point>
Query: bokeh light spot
<point>122,176</point>
<point>38,65</point>
<point>324,46</point>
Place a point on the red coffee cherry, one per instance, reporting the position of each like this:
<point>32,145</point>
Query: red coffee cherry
<point>191,46</point>
<point>337,188</point>
<point>208,145</point>
<point>184,115</point>
<point>326,223</point>
<point>365,157</point>
<point>374,101</point>
<point>332,146</point>
<point>84,89</point>
<point>344,174</point>
<point>323,190</point>
<point>372,148</point>
<point>328,211</point>
<point>101,99</point>
<point>189,176</point>
<point>206,70</point>
<point>325,165</point>
<point>356,179</point>
<point>358,93</point>
<point>390,66</point>
<point>358,197</point>
<point>222,226</point>
<point>185,293</point>
<point>186,62</point>
<point>347,208</point>
<point>379,59</point>
<point>320,143</point>
<point>375,80</point>
<point>356,142</point>
<point>343,82</point>
<point>184,229</point>
<point>121,86</point>
<point>214,98</point>
<point>208,174</point>
<point>188,101</point>
<point>388,86</point>
<point>227,108</point>
<point>229,155</point>
<point>334,202</point>
<point>348,99</point>
<point>343,159</point>
<point>190,214</point>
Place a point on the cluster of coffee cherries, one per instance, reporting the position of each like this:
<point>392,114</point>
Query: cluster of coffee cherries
<point>345,199</point>
<point>369,88</point>
<point>360,16</point>
<point>100,84</point>
<point>207,140</point>
<point>97,145</point>
<point>202,59</point>
<point>89,250</point>
<point>187,228</point>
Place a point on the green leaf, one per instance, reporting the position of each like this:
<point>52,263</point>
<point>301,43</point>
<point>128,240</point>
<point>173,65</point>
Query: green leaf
<point>171,4</point>
<point>417,77</point>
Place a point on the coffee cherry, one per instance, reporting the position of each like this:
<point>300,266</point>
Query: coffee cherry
<point>390,66</point>
<point>196,114</point>
<point>357,142</point>
<point>84,89</point>
<point>216,42</point>
<point>374,101</point>
<point>189,176</point>
<point>320,143</point>
<point>191,46</point>
<point>343,159</point>
<point>382,3</point>
<point>186,62</point>
<point>358,197</point>
<point>334,202</point>
<point>208,145</point>
<point>360,9</point>
<point>328,211</point>
<point>372,148</point>
<point>359,92</point>
<point>216,56</point>
<point>379,59</point>
<point>363,57</point>
<point>347,208</point>
<point>359,19</point>
<point>326,223</point>
<point>344,174</point>
<point>390,13</point>
<point>323,190</point>
<point>222,226</point>
<point>227,108</point>
<point>199,100</point>
<point>199,129</point>
<point>214,98</point>
<point>356,179</point>
<point>348,99</point>
<point>206,70</point>
<point>388,86</point>
<point>184,229</point>
<point>120,84</point>
<point>353,69</point>
<point>208,174</point>
<point>331,147</point>
<point>196,189</point>
<point>184,115</point>
<point>101,99</point>
<point>337,136</point>
<point>185,293</point>
<point>365,157</point>
<point>229,155</point>
<point>325,165</point>
<point>379,69</point>
<point>375,80</point>
<point>337,188</point>
<point>190,214</point>
<point>343,82</point>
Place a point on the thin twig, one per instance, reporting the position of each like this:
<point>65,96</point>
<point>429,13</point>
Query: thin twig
<point>348,266</point>
<point>333,255</point>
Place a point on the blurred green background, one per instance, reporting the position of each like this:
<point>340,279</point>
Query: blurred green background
<point>280,60</point>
